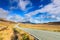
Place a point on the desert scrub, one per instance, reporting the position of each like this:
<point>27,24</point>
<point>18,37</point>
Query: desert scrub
<point>25,37</point>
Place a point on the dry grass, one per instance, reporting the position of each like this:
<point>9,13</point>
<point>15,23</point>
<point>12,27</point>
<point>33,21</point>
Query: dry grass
<point>55,28</point>
<point>23,33</point>
<point>8,32</point>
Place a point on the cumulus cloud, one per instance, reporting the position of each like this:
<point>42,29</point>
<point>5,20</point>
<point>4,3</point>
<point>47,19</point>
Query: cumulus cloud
<point>56,17</point>
<point>34,20</point>
<point>16,18</point>
<point>23,4</point>
<point>3,13</point>
<point>52,8</point>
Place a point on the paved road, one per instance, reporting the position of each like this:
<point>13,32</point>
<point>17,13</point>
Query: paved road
<point>42,35</point>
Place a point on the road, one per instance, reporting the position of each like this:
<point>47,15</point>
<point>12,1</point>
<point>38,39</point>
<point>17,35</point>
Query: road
<point>42,35</point>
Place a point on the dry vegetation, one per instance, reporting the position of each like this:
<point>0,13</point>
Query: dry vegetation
<point>48,27</point>
<point>8,32</point>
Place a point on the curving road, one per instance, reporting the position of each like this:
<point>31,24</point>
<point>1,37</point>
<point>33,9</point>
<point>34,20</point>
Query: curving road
<point>42,35</point>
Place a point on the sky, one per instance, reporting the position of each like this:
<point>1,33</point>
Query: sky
<point>34,11</point>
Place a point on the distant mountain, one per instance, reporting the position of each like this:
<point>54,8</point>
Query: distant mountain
<point>28,22</point>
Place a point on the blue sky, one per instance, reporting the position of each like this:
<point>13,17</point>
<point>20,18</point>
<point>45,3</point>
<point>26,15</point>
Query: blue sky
<point>35,11</point>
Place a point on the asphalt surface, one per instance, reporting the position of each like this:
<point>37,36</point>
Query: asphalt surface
<point>42,35</point>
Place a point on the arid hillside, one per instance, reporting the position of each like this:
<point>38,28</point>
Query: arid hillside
<point>8,32</point>
<point>53,26</point>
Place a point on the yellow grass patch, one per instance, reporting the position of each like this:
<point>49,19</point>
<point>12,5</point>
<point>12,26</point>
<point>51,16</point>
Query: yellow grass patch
<point>55,28</point>
<point>8,32</point>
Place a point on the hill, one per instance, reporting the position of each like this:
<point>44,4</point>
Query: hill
<point>51,26</point>
<point>8,32</point>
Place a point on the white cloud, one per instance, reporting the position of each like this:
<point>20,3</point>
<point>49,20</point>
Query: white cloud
<point>13,5</point>
<point>12,1</point>
<point>53,16</point>
<point>22,4</point>
<point>32,20</point>
<point>52,8</point>
<point>32,13</point>
<point>56,17</point>
<point>12,8</point>
<point>3,13</point>
<point>16,18</point>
